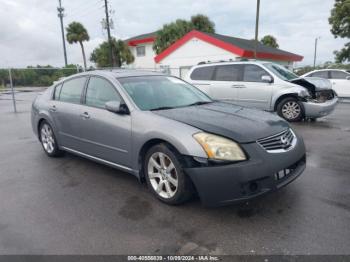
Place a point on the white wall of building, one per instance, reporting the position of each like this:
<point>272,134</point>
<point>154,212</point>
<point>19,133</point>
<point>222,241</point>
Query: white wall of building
<point>180,61</point>
<point>195,51</point>
<point>146,61</point>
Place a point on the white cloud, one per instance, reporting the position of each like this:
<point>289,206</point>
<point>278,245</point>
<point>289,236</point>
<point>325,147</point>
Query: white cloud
<point>30,29</point>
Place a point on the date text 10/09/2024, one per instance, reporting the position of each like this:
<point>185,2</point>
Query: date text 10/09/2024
<point>174,258</point>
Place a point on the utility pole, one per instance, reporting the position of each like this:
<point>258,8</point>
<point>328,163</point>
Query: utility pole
<point>111,59</point>
<point>256,28</point>
<point>316,39</point>
<point>60,10</point>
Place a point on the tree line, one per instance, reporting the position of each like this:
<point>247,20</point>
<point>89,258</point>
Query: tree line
<point>36,76</point>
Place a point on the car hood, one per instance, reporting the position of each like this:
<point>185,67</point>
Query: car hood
<point>241,124</point>
<point>316,83</point>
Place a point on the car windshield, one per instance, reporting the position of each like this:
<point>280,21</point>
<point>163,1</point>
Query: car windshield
<point>281,71</point>
<point>162,92</point>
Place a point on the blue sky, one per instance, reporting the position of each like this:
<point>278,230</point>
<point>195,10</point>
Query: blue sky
<point>30,30</point>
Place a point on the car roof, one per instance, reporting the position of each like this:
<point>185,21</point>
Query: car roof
<point>328,69</point>
<point>231,62</point>
<point>117,73</point>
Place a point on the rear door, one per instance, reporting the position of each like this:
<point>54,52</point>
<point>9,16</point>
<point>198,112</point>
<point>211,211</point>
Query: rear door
<point>340,84</point>
<point>201,77</point>
<point>253,91</point>
<point>105,135</point>
<point>64,109</point>
<point>226,82</point>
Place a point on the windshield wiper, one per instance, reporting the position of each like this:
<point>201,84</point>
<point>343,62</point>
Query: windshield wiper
<point>200,103</point>
<point>161,108</point>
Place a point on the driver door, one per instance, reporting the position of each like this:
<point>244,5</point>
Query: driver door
<point>105,135</point>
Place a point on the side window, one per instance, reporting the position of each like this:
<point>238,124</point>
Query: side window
<point>203,73</point>
<point>338,75</point>
<point>228,73</point>
<point>72,89</point>
<point>253,73</point>
<point>140,51</point>
<point>56,94</point>
<point>100,91</point>
<point>321,74</point>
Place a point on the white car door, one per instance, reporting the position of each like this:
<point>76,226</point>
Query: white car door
<point>340,83</point>
<point>226,82</point>
<point>254,92</point>
<point>201,77</point>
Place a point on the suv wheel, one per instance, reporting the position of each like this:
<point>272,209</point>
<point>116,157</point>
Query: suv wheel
<point>290,109</point>
<point>165,176</point>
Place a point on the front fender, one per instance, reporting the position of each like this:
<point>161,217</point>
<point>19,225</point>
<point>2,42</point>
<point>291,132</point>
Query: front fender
<point>175,133</point>
<point>293,90</point>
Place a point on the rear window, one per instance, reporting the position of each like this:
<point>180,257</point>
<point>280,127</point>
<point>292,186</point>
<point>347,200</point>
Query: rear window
<point>321,74</point>
<point>72,89</point>
<point>339,75</point>
<point>203,73</point>
<point>228,73</point>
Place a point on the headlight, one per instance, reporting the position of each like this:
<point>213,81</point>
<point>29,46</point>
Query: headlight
<point>220,148</point>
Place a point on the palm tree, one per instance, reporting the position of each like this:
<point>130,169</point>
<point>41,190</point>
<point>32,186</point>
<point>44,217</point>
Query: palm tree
<point>76,33</point>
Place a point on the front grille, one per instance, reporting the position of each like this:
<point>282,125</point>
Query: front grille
<point>278,143</point>
<point>324,95</point>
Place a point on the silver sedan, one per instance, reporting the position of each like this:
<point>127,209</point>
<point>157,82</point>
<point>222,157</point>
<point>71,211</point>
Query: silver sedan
<point>168,133</point>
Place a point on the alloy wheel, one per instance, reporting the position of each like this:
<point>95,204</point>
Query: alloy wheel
<point>47,138</point>
<point>162,175</point>
<point>291,110</point>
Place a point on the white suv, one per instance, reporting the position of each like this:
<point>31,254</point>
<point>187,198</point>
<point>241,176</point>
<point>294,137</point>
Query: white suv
<point>267,86</point>
<point>340,79</point>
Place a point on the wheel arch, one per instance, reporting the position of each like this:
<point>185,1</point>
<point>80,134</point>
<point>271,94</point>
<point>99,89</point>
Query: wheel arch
<point>40,121</point>
<point>279,99</point>
<point>145,147</point>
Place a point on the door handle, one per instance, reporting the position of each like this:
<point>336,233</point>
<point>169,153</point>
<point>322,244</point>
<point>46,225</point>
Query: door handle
<point>238,86</point>
<point>53,108</point>
<point>85,115</point>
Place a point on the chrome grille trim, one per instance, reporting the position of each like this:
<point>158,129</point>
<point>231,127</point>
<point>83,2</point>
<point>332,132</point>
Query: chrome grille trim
<point>279,143</point>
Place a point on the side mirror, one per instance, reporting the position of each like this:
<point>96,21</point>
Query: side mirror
<point>116,107</point>
<point>267,79</point>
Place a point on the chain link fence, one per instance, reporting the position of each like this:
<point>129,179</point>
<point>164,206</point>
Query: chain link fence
<point>14,80</point>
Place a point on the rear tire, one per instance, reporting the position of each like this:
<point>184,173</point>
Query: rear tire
<point>48,140</point>
<point>165,177</point>
<point>290,109</point>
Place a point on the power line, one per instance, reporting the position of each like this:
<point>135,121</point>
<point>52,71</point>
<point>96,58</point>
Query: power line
<point>87,12</point>
<point>60,10</point>
<point>85,8</point>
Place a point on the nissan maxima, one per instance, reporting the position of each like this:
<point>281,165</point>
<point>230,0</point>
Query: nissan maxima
<point>168,134</point>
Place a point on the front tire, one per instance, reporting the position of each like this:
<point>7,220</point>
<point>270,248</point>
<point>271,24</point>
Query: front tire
<point>290,109</point>
<point>48,140</point>
<point>165,177</point>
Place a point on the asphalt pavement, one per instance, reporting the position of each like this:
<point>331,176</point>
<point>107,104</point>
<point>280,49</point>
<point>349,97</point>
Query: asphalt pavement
<point>71,205</point>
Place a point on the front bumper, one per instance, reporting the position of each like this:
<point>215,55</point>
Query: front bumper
<point>228,184</point>
<point>319,109</point>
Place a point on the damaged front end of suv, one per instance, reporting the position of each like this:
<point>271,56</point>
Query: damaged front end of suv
<point>317,96</point>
